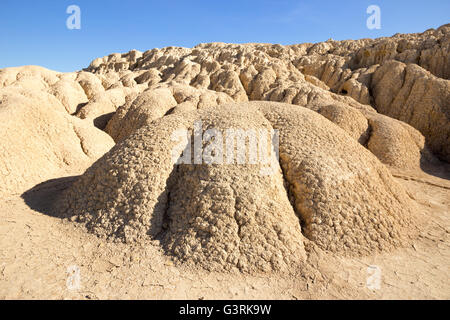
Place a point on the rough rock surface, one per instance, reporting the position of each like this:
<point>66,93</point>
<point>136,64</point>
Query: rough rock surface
<point>319,74</point>
<point>232,215</point>
<point>39,139</point>
<point>349,119</point>
<point>413,95</point>
<point>345,198</point>
<point>156,102</point>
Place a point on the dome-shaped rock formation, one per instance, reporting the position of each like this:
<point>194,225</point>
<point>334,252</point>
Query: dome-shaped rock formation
<point>222,215</point>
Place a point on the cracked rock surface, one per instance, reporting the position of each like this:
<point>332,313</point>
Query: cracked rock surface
<point>230,215</point>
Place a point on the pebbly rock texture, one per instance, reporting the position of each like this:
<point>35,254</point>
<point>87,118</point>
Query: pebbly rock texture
<point>231,215</point>
<point>349,119</point>
<point>345,198</point>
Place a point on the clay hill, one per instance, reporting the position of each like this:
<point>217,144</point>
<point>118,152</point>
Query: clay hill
<point>361,178</point>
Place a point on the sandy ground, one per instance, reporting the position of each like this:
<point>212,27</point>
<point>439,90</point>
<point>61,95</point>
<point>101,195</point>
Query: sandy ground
<point>45,257</point>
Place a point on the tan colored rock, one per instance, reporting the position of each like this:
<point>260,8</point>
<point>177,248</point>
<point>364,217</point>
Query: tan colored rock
<point>217,224</point>
<point>91,84</point>
<point>151,77</point>
<point>225,216</point>
<point>40,140</point>
<point>148,106</point>
<point>339,79</point>
<point>395,144</point>
<point>32,76</point>
<point>156,102</point>
<point>413,95</point>
<point>349,119</point>
<point>316,82</point>
<point>300,74</point>
<point>428,49</point>
<point>70,94</point>
<point>333,181</point>
<point>102,106</point>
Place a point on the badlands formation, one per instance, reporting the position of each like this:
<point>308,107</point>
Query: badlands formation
<point>362,172</point>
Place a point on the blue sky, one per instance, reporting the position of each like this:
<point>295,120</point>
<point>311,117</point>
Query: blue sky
<point>34,32</point>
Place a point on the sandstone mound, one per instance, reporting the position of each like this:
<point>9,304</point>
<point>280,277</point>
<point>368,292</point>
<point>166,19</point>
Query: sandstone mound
<point>156,102</point>
<point>349,119</point>
<point>415,96</point>
<point>346,198</point>
<point>40,140</point>
<point>230,216</point>
<point>393,142</point>
<point>148,106</point>
<point>70,94</point>
<point>222,216</point>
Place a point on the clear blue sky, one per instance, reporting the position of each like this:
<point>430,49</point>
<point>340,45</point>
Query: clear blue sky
<point>34,32</point>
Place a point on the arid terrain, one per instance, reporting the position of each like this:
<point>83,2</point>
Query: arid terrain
<point>121,182</point>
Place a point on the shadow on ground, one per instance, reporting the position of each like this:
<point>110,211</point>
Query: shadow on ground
<point>42,196</point>
<point>435,167</point>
